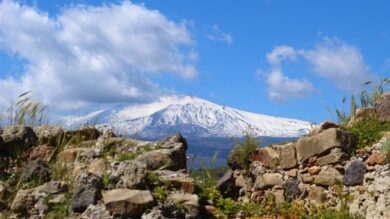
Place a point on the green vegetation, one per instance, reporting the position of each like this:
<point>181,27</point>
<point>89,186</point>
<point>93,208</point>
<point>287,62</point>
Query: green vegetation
<point>160,193</point>
<point>60,210</point>
<point>242,150</point>
<point>106,179</point>
<point>368,129</point>
<point>27,111</point>
<point>127,156</point>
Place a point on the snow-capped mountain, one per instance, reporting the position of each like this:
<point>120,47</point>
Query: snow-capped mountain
<point>191,116</point>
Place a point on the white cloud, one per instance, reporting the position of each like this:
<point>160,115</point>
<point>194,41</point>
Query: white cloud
<point>216,34</point>
<point>341,63</point>
<point>92,54</point>
<point>280,87</point>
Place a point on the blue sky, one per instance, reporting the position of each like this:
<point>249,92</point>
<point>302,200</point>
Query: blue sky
<point>281,58</point>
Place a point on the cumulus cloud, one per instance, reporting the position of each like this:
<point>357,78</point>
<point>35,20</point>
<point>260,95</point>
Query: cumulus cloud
<point>341,63</point>
<point>332,59</point>
<point>216,34</point>
<point>280,87</point>
<point>92,54</point>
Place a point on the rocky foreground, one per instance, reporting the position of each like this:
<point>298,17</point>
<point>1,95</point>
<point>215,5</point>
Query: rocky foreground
<point>48,172</point>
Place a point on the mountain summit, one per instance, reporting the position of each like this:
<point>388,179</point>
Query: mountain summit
<point>191,116</point>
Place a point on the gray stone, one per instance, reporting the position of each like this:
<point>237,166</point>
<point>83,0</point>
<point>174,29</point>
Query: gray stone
<point>128,174</point>
<point>316,145</point>
<point>328,177</point>
<point>48,134</point>
<point>37,170</point>
<point>189,201</point>
<point>176,141</point>
<point>98,167</point>
<point>324,126</point>
<point>175,180</point>
<point>331,158</point>
<point>24,200</point>
<point>125,203</point>
<point>354,173</point>
<point>291,189</point>
<point>86,192</point>
<point>226,184</point>
<point>288,158</point>
<point>268,180</point>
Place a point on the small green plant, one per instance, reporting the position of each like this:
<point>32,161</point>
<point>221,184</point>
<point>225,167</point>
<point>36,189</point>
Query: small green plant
<point>242,150</point>
<point>127,156</point>
<point>160,193</point>
<point>60,210</point>
<point>106,179</point>
<point>152,179</point>
<point>59,171</point>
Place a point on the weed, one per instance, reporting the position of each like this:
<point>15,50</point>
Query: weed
<point>160,193</point>
<point>126,156</point>
<point>386,150</point>
<point>106,179</point>
<point>241,151</point>
<point>60,210</point>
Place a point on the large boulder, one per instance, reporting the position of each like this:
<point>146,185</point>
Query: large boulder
<point>291,189</point>
<point>382,107</point>
<point>16,139</point>
<point>127,203</point>
<point>176,141</point>
<point>331,158</point>
<point>86,192</point>
<point>354,173</point>
<point>330,138</point>
<point>317,195</point>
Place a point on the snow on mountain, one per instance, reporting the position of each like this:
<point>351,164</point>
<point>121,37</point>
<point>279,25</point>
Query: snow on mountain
<point>191,116</point>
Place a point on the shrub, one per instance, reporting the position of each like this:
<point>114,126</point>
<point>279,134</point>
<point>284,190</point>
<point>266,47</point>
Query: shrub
<point>160,193</point>
<point>242,151</point>
<point>368,129</point>
<point>386,150</point>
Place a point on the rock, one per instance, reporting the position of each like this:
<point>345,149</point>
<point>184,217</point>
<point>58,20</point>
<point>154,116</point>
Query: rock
<point>189,201</point>
<point>24,200</point>
<point>268,156</point>
<point>128,174</point>
<point>70,155</point>
<point>176,180</point>
<point>288,158</point>
<point>83,134</point>
<point>330,138</point>
<point>226,184</point>
<point>354,173</point>
<point>328,177</point>
<point>242,181</point>
<point>324,126</point>
<point>314,170</point>
<point>98,211</point>
<point>307,178</point>
<point>268,180</point>
<point>317,195</point>
<point>86,192</point>
<point>17,138</point>
<point>213,212</point>
<point>127,203</point>
<point>176,141</point>
<point>382,107</point>
<point>37,170</point>
<point>98,167</point>
<point>43,152</point>
<point>292,173</point>
<point>49,134</point>
<point>169,159</point>
<point>277,195</point>
<point>375,159</point>
<point>331,158</point>
<point>291,189</point>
